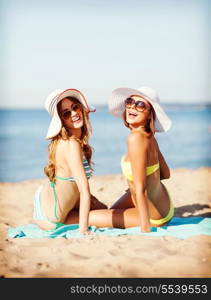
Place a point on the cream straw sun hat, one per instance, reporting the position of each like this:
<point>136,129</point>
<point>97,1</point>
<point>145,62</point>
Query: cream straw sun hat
<point>51,106</point>
<point>116,105</point>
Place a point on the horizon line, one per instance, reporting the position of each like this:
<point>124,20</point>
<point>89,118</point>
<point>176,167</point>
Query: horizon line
<point>167,104</point>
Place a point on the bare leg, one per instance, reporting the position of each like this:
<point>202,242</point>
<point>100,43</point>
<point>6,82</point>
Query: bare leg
<point>125,201</point>
<point>113,218</point>
<point>119,218</point>
<point>72,217</point>
<point>122,214</point>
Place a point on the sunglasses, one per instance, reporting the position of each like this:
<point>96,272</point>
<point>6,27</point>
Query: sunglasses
<point>139,105</point>
<point>66,114</point>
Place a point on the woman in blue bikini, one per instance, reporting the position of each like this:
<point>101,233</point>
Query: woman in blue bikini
<point>69,164</point>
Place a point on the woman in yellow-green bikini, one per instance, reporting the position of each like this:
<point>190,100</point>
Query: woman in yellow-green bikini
<point>146,203</point>
<point>69,164</point>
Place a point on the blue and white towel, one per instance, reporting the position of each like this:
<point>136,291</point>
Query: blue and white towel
<point>181,228</point>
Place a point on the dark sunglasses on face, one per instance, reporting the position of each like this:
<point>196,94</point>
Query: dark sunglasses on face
<point>139,105</point>
<point>68,112</point>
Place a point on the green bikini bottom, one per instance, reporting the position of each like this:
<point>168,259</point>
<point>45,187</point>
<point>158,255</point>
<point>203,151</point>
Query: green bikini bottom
<point>38,212</point>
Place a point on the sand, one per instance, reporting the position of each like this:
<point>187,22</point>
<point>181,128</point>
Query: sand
<point>106,256</point>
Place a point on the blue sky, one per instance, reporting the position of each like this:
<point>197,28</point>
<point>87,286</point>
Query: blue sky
<point>97,46</point>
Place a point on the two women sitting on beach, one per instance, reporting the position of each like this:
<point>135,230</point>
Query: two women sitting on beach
<point>65,197</point>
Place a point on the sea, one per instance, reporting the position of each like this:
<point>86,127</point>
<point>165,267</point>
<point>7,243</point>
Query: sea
<point>23,147</point>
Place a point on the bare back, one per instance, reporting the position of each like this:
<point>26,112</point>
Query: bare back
<point>67,192</point>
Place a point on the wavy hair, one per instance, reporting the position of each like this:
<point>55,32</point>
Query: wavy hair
<point>50,169</point>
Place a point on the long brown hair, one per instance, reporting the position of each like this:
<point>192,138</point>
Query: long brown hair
<point>50,169</point>
<point>149,126</point>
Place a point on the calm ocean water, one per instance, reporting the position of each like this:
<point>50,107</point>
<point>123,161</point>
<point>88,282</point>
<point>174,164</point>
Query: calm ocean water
<point>23,148</point>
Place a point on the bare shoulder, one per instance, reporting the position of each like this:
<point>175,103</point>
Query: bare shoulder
<point>71,145</point>
<point>138,138</point>
<point>74,144</point>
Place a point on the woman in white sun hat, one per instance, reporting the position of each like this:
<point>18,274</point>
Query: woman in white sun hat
<point>69,163</point>
<point>146,203</point>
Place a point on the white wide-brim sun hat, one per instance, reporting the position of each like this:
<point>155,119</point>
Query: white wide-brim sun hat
<point>116,105</point>
<point>51,106</point>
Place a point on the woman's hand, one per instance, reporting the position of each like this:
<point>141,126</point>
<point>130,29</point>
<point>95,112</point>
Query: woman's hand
<point>85,232</point>
<point>146,228</point>
<point>145,225</point>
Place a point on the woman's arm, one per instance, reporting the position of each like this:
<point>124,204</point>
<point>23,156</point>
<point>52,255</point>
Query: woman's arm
<point>75,162</point>
<point>137,150</point>
<point>164,169</point>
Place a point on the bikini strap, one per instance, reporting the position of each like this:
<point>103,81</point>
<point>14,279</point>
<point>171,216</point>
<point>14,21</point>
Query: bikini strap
<point>55,199</point>
<point>65,179</point>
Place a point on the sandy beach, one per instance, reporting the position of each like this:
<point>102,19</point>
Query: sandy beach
<point>106,256</point>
